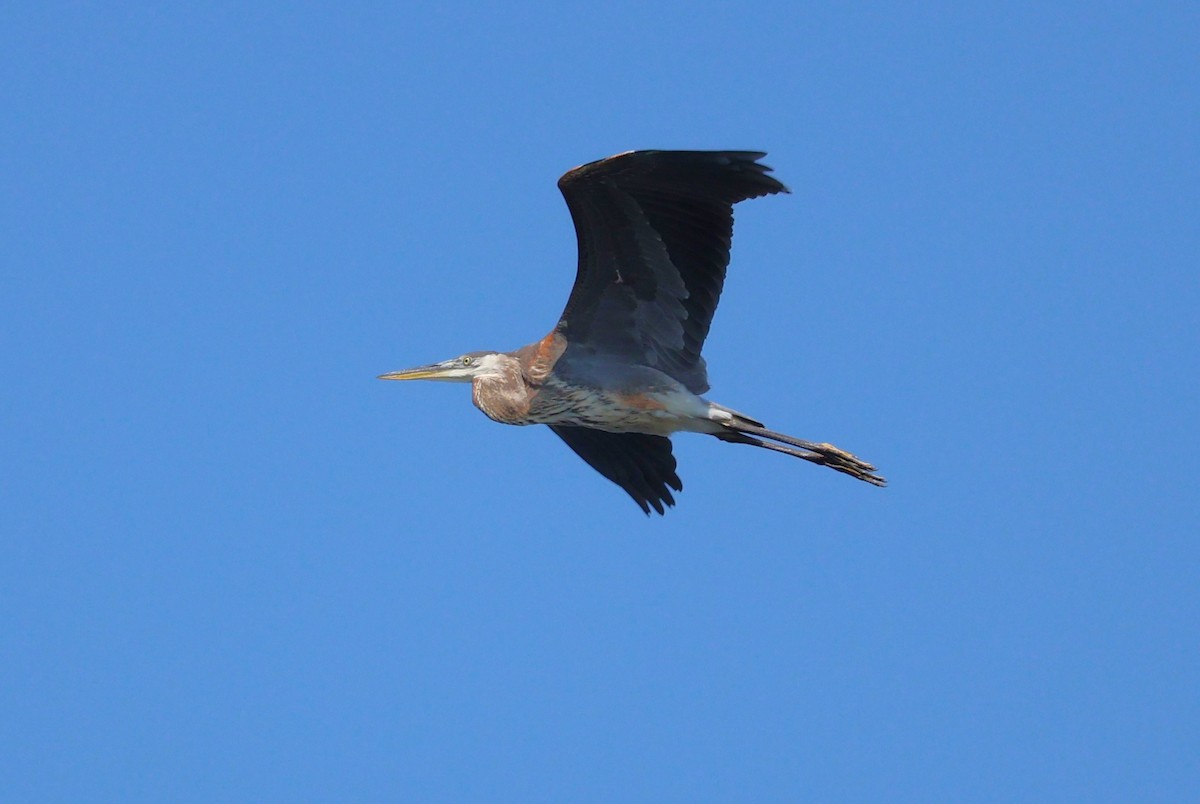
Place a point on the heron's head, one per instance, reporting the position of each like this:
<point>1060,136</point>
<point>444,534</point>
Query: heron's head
<point>464,368</point>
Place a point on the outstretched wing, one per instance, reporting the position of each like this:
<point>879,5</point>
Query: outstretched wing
<point>654,230</point>
<point>641,464</point>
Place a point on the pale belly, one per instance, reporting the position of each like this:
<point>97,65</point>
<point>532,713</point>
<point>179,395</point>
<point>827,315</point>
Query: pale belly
<point>653,412</point>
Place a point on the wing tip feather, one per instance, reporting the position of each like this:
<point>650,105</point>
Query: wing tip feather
<point>745,163</point>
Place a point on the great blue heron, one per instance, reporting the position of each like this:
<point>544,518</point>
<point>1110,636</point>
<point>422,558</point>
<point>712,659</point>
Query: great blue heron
<point>622,369</point>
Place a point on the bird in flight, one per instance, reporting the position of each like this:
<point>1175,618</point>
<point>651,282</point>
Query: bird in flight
<point>622,370</point>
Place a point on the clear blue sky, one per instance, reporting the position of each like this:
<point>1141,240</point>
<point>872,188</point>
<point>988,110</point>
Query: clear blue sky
<point>238,567</point>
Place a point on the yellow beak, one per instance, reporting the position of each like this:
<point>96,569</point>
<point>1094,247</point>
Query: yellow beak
<point>420,373</point>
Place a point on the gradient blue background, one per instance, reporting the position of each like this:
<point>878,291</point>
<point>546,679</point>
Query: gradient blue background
<point>237,567</point>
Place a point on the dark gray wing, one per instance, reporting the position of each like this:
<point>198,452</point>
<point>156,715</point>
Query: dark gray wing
<point>654,230</point>
<point>641,464</point>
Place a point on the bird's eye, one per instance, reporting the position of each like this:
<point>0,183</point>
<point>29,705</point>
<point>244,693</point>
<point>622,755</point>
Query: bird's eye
<point>468,360</point>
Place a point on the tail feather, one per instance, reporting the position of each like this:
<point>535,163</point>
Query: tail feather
<point>737,417</point>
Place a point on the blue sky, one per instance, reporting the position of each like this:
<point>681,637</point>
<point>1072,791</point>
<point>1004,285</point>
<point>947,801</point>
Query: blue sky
<point>238,567</point>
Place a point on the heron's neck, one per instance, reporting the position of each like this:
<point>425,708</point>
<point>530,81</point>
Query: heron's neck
<point>501,392</point>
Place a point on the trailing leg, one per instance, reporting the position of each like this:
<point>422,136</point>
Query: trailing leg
<point>744,431</point>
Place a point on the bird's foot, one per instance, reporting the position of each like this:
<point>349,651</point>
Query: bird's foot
<point>852,465</point>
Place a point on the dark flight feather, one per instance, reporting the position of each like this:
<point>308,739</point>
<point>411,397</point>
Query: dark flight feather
<point>641,464</point>
<point>654,231</point>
